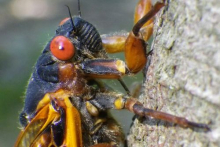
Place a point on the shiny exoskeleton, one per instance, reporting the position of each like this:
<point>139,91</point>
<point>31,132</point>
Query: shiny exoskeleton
<point>66,104</point>
<point>45,77</point>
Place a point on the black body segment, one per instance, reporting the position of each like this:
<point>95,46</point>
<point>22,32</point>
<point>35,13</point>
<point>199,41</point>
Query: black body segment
<point>44,79</point>
<point>88,35</point>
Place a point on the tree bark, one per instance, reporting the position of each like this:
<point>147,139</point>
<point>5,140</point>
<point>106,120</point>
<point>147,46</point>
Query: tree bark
<point>183,78</point>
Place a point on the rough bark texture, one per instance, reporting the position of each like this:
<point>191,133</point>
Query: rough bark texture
<point>184,76</point>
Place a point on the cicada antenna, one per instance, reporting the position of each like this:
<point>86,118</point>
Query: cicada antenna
<point>70,15</point>
<point>79,10</point>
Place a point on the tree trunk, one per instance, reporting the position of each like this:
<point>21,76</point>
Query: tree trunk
<point>183,78</point>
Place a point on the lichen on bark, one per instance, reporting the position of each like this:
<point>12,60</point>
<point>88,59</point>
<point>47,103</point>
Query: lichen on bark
<point>183,78</point>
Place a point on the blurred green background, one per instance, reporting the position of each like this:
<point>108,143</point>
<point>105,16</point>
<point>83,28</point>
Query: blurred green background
<point>25,27</point>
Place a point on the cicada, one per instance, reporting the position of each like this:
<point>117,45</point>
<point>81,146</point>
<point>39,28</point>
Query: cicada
<point>67,105</point>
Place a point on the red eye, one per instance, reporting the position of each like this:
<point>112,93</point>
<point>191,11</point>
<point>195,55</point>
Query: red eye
<point>62,48</point>
<point>63,21</point>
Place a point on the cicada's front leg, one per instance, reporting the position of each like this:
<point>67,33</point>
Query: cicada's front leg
<point>134,43</point>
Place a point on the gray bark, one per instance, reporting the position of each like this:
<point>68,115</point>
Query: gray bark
<point>183,78</point>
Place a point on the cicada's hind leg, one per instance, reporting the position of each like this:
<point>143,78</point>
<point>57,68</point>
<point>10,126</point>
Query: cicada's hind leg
<point>117,101</point>
<point>136,107</point>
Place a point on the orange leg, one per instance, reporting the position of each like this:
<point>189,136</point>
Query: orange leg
<point>133,105</point>
<point>133,44</point>
<point>114,44</point>
<point>142,8</point>
<point>136,107</point>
